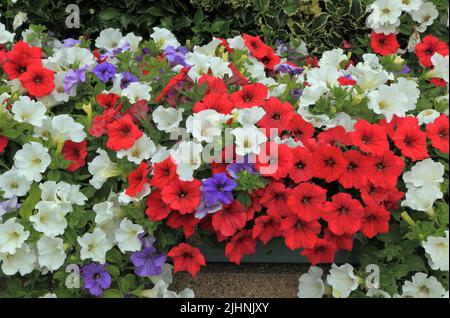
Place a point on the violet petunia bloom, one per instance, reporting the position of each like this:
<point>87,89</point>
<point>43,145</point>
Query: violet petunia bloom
<point>74,77</point>
<point>176,56</point>
<point>296,93</point>
<point>105,71</point>
<point>147,263</point>
<point>69,42</point>
<point>127,79</point>
<point>147,240</point>
<point>96,278</point>
<point>234,169</point>
<point>218,188</point>
<point>405,69</point>
<point>9,206</point>
<point>290,69</point>
<point>204,209</point>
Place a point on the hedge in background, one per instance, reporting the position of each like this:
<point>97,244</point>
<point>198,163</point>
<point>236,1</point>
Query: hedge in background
<point>321,24</point>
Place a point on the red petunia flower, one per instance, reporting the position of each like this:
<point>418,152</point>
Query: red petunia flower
<point>355,174</point>
<point>275,199</point>
<point>164,173</point>
<point>187,221</point>
<point>157,209</point>
<point>343,214</point>
<point>109,101</point>
<point>274,160</point>
<point>322,252</point>
<point>266,228</point>
<point>391,199</point>
<point>100,122</point>
<point>277,114</point>
<point>270,59</point>
<point>138,178</point>
<point>76,152</point>
<point>230,219</point>
<point>215,84</point>
<point>306,200</point>
<point>37,80</point>
<point>336,136</point>
<point>172,83</point>
<point>397,122</point>
<point>302,169</point>
<point>255,206</point>
<point>438,82</point>
<point>187,258</point>
<point>437,132</point>
<point>138,111</point>
<point>299,233</point>
<point>329,163</point>
<point>345,81</point>
<point>375,221</point>
<point>384,170</point>
<point>237,78</point>
<point>249,96</point>
<point>412,142</point>
<point>219,102</point>
<point>300,129</point>
<point>122,134</point>
<point>256,46</point>
<point>370,138</point>
<point>15,69</point>
<point>343,242</point>
<point>3,143</point>
<point>428,47</point>
<point>183,196</point>
<point>384,44</point>
<point>240,245</point>
<point>22,52</point>
<point>373,195</point>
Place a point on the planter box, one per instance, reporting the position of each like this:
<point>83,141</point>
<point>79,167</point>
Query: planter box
<point>275,252</point>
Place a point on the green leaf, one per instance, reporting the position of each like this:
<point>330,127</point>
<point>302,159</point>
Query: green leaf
<point>114,256</point>
<point>198,17</point>
<point>108,14</point>
<point>415,263</point>
<point>34,196</point>
<point>245,199</point>
<point>112,293</point>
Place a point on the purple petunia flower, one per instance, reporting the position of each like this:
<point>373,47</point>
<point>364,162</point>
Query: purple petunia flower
<point>218,189</point>
<point>204,208</point>
<point>405,69</point>
<point>127,78</point>
<point>74,77</point>
<point>147,240</point>
<point>296,93</point>
<point>290,69</point>
<point>234,169</point>
<point>69,42</point>
<point>146,263</point>
<point>9,206</point>
<point>105,71</point>
<point>176,56</point>
<point>96,278</point>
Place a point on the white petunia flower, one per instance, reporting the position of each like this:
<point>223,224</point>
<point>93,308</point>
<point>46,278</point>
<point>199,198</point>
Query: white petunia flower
<point>127,236</point>
<point>440,69</point>
<point>425,173</point>
<point>79,56</point>
<point>101,168</point>
<point>29,111</point>
<point>248,140</point>
<point>12,236</point>
<point>410,89</point>
<point>377,293</point>
<point>185,293</point>
<point>387,11</point>
<point>64,128</point>
<point>167,119</point>
<point>237,43</point>
<point>249,116</point>
<point>50,219</point>
<point>333,58</point>
<point>132,40</point>
<point>206,125</point>
<point>137,91</point>
<point>12,183</point>
<point>108,39</point>
<point>427,116</point>
<point>411,5</point>
<point>188,158</point>
<point>22,261</point>
<point>59,93</point>
<point>19,19</point>
<point>5,36</point>
<point>436,249</point>
<point>422,199</point>
<point>388,101</point>
<point>219,67</point>
<point>164,38</point>
<point>32,160</point>
<point>425,15</point>
<point>94,246</point>
<point>342,280</point>
<point>142,149</point>
<point>422,286</point>
<point>311,284</point>
<point>327,76</point>
<point>51,253</point>
<point>63,194</point>
<point>311,95</point>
